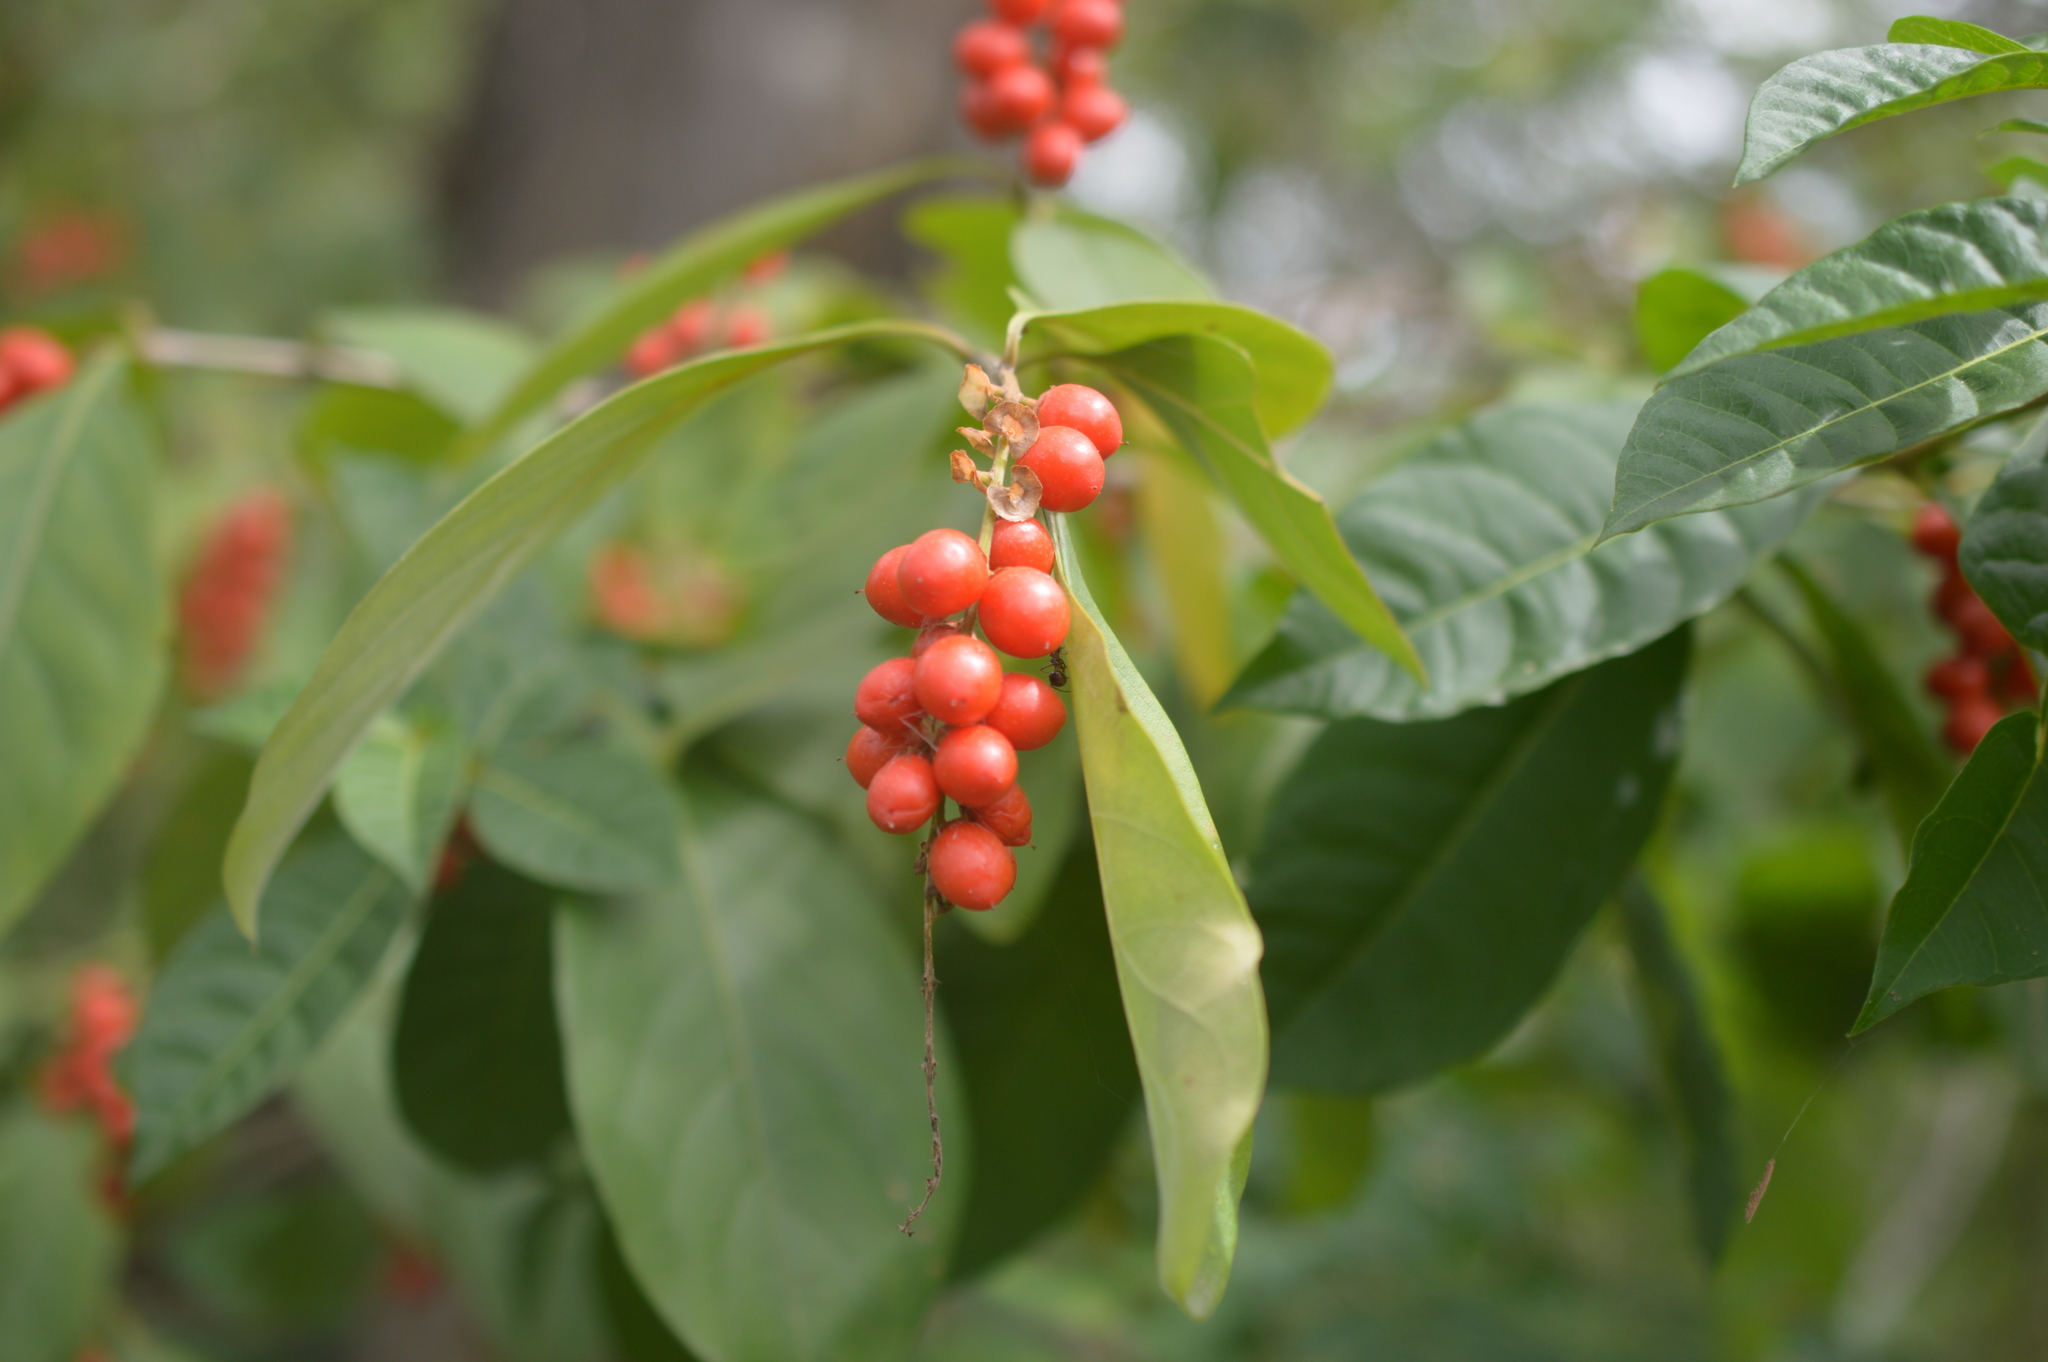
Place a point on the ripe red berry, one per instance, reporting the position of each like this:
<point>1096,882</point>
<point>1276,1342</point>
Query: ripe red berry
<point>904,794</point>
<point>1935,533</point>
<point>623,593</point>
<point>941,573</point>
<point>691,326</point>
<point>652,353</point>
<point>1019,95</point>
<point>870,749</point>
<point>1089,23</point>
<point>2016,683</point>
<point>1068,468</point>
<point>1094,111</point>
<point>1024,612</point>
<point>975,765</point>
<point>1081,408</point>
<point>1957,678</point>
<point>1051,153</point>
<point>1077,68</point>
<point>1981,633</point>
<point>1020,543</point>
<point>1950,595</point>
<point>1969,721</point>
<point>959,679</point>
<point>764,268</point>
<point>747,326</point>
<point>1030,714</point>
<point>1018,12</point>
<point>932,633</point>
<point>35,359</point>
<point>884,594</point>
<point>1009,818</point>
<point>970,866</point>
<point>985,47</point>
<point>978,112</point>
<point>228,595</point>
<point>887,696</point>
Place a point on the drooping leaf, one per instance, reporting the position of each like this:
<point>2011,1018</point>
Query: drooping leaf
<point>1483,546</point>
<point>742,1057</point>
<point>1691,1060</point>
<point>453,572</point>
<point>1758,425</point>
<point>1067,259</point>
<point>1678,308</point>
<point>59,1249</point>
<point>1202,389</point>
<point>1187,951</point>
<point>1972,909</point>
<point>1921,28</point>
<point>1830,92</point>
<point>1420,884</point>
<point>476,1060</point>
<point>463,363</point>
<point>227,1023</point>
<point>2004,553</point>
<point>399,793</point>
<point>580,815</point>
<point>84,618</point>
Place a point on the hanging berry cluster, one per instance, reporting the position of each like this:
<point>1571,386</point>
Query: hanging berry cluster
<point>81,1075</point>
<point>1061,105</point>
<point>1988,673</point>
<point>702,325</point>
<point>31,361</point>
<point>227,597</point>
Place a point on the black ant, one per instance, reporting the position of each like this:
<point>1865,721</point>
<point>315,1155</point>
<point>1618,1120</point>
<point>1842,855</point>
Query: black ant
<point>1057,673</point>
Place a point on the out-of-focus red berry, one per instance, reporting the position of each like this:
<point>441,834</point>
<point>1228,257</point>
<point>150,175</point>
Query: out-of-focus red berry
<point>1020,95</point>
<point>1088,23</point>
<point>691,325</point>
<point>410,1276</point>
<point>1020,543</point>
<point>1009,817</point>
<point>70,248</point>
<point>904,795</point>
<point>653,352</point>
<point>747,326</point>
<point>2016,682</point>
<point>227,596</point>
<point>979,113</point>
<point>1950,595</point>
<point>623,593</point>
<point>1978,628</point>
<point>1029,713</point>
<point>1935,533</point>
<point>986,46</point>
<point>1094,111</point>
<point>1077,68</point>
<point>36,360</point>
<point>80,1077</point>
<point>970,866</point>
<point>1018,12</point>
<point>1968,722</point>
<point>766,268</point>
<point>1051,153</point>
<point>1956,678</point>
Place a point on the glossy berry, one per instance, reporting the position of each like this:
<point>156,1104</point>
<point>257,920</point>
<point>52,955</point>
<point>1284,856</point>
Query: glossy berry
<point>1024,612</point>
<point>975,765</point>
<point>884,594</point>
<point>36,360</point>
<point>986,47</point>
<point>1958,678</point>
<point>904,795</point>
<point>1029,714</point>
<point>1051,153</point>
<point>1935,533</point>
<point>1009,818</point>
<point>1019,12</point>
<point>870,749</point>
<point>970,866</point>
<point>1088,23</point>
<point>1094,111</point>
<point>958,680</point>
<point>1969,721</point>
<point>1077,68</point>
<point>747,326</point>
<point>887,696</point>
<point>1020,543</point>
<point>1020,95</point>
<point>941,573</point>
<point>1068,468</point>
<point>1079,407</point>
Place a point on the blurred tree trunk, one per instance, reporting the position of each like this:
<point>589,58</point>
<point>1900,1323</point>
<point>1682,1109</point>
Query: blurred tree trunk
<point>601,124</point>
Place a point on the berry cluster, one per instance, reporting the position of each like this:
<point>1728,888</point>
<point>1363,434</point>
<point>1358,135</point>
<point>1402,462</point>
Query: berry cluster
<point>1988,673</point>
<point>31,361</point>
<point>1061,105</point>
<point>228,594</point>
<point>947,722</point>
<point>702,325</point>
<point>81,1076</point>
<point>675,598</point>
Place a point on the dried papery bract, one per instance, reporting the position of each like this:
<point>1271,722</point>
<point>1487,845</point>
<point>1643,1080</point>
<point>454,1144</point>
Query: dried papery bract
<point>964,470</point>
<point>979,439</point>
<point>1018,501</point>
<point>977,392</point>
<point>1013,423</point>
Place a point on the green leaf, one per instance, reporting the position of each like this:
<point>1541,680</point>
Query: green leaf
<point>1067,259</point>
<point>462,363</point>
<point>1691,1060</point>
<point>1758,425</point>
<point>692,266</point>
<point>1292,367</point>
<point>476,1061</point>
<point>1972,909</point>
<point>742,1054</point>
<point>1046,1062</point>
<point>2019,125</point>
<point>1186,948</point>
<point>1202,389</point>
<point>636,1328</point>
<point>1959,257</point>
<point>1677,308</point>
<point>1920,28</point>
<point>399,793</point>
<point>2008,173</point>
<point>181,876</point>
<point>2004,553</point>
<point>1420,884</point>
<point>1483,545</point>
<point>227,1023</point>
<point>453,572</point>
<point>1818,96</point>
<point>84,618</point>
<point>970,234</point>
<point>580,815</point>
<point>59,1249</point>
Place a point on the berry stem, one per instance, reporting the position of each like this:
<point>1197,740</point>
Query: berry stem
<point>267,357</point>
<point>931,1060</point>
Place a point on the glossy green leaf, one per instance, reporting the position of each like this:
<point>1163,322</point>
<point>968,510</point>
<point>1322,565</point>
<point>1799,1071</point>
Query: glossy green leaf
<point>59,1248</point>
<point>1691,1060</point>
<point>84,617</point>
<point>1202,389</point>
<point>399,793</point>
<point>580,815</point>
<point>463,363</point>
<point>1921,28</point>
<point>2004,553</point>
<point>1187,951</point>
<point>453,572</point>
<point>1758,425</point>
<point>1678,308</point>
<point>1420,884</point>
<point>970,234</point>
<point>476,1060</point>
<point>692,266</point>
<point>1830,92</point>
<point>743,1066</point>
<point>1067,259</point>
<point>227,1023</point>
<point>1046,1061</point>
<point>1973,908</point>
<point>1483,546</point>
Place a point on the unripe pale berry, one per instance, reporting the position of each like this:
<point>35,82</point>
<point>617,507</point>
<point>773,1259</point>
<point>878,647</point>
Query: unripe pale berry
<point>1068,467</point>
<point>1024,612</point>
<point>887,696</point>
<point>1089,23</point>
<point>870,749</point>
<point>1009,818</point>
<point>1029,713</point>
<point>903,795</point>
<point>1020,95</point>
<point>958,680</point>
<point>970,866</point>
<point>1094,111</point>
<point>1079,407</point>
<point>1020,543</point>
<point>885,595</point>
<point>975,765</point>
<point>986,46</point>
<point>1018,12</point>
<point>941,573</point>
<point>1051,153</point>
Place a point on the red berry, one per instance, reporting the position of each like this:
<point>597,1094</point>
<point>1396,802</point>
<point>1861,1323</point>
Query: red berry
<point>765,268</point>
<point>1018,12</point>
<point>959,679</point>
<point>1030,714</point>
<point>2016,684</point>
<point>1020,543</point>
<point>932,633</point>
<point>970,866</point>
<point>1958,678</point>
<point>941,573</point>
<point>747,326</point>
<point>975,765</point>
<point>1089,23</point>
<point>887,696</point>
<point>228,595</point>
<point>622,589</point>
<point>691,325</point>
<point>1935,533</point>
<point>1077,68</point>
<point>985,47</point>
<point>978,112</point>
<point>1981,633</point>
<point>653,352</point>
<point>870,750</point>
<point>1094,111</point>
<point>1019,95</point>
<point>9,390</point>
<point>1969,721</point>
<point>1081,408</point>
<point>904,794</point>
<point>1051,153</point>
<point>1024,612</point>
<point>1009,818</point>
<point>1068,468</point>
<point>1950,595</point>
<point>36,359</point>
<point>883,593</point>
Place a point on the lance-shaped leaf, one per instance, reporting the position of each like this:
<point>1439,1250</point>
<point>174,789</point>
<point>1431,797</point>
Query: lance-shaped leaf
<point>1959,257</point>
<point>1973,909</point>
<point>1758,425</point>
<point>1483,546</point>
<point>2005,546</point>
<point>1187,951</point>
<point>462,363</point>
<point>454,571</point>
<point>398,794</point>
<point>1420,884</point>
<point>1830,92</point>
<point>84,618</point>
<point>59,1248</point>
<point>579,815</point>
<point>1922,28</point>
